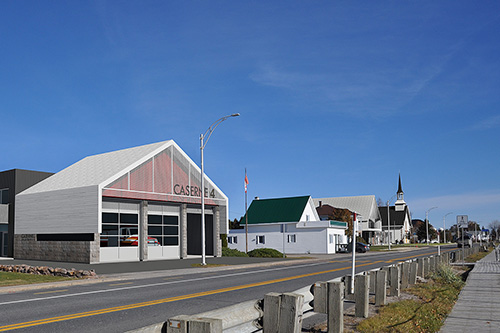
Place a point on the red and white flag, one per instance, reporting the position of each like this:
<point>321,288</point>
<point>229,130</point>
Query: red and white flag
<point>246,181</point>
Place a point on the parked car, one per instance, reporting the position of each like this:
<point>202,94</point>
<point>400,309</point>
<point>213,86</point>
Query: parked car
<point>467,241</point>
<point>360,247</point>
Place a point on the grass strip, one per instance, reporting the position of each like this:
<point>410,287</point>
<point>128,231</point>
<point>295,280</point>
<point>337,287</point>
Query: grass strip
<point>436,299</point>
<point>14,279</point>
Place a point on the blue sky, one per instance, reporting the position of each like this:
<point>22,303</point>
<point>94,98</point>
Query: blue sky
<point>336,98</point>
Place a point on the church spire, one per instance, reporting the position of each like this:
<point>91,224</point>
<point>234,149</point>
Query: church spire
<point>400,203</point>
<point>400,188</point>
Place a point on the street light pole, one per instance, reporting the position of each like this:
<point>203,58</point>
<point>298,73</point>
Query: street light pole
<point>444,226</point>
<point>427,223</point>
<point>203,142</point>
<point>389,220</point>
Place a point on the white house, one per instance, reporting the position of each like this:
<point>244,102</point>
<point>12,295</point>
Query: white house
<point>366,207</point>
<point>289,225</point>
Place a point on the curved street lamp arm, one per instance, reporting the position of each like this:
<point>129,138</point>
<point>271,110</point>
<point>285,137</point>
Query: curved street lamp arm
<point>428,210</point>
<point>211,129</point>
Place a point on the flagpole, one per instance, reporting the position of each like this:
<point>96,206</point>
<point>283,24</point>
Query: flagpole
<point>246,212</point>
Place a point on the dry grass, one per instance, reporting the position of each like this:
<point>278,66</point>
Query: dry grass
<point>14,279</point>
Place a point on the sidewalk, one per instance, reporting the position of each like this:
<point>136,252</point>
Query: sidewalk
<point>478,306</point>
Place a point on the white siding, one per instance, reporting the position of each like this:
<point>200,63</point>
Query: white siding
<point>310,211</point>
<point>74,210</point>
<point>308,240</point>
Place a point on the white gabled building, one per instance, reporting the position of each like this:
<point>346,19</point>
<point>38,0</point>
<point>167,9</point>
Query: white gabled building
<point>365,206</point>
<point>134,204</point>
<point>289,225</point>
<point>399,228</point>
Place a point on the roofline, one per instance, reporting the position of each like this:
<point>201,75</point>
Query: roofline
<point>166,144</point>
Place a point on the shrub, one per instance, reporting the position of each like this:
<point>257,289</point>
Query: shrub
<point>227,252</point>
<point>265,253</point>
<point>360,239</point>
<point>446,275</point>
<point>223,237</point>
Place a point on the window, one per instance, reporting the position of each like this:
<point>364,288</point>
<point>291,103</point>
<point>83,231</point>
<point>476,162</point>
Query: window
<point>331,239</point>
<point>4,196</point>
<point>307,218</point>
<point>119,229</point>
<point>261,240</point>
<point>232,239</point>
<point>292,238</point>
<point>163,230</point>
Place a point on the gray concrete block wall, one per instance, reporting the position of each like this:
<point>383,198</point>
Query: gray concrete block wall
<point>27,247</point>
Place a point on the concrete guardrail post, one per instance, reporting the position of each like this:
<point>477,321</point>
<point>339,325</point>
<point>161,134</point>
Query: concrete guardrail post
<point>320,304</point>
<point>361,295</point>
<point>178,324</point>
<point>432,264</point>
<point>420,267</point>
<point>381,288</point>
<point>405,275</point>
<point>282,313</point>
<point>347,288</point>
<point>427,265</point>
<point>395,287</point>
<point>413,273</point>
<point>335,320</point>
<point>387,275</point>
<point>373,274</point>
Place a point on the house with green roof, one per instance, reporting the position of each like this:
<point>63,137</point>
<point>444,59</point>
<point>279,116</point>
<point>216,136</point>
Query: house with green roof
<point>290,225</point>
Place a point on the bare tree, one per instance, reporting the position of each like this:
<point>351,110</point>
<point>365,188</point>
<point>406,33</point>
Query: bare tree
<point>495,227</point>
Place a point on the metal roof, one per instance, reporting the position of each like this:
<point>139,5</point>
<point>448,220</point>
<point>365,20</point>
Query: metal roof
<point>276,210</point>
<point>97,169</point>
<point>365,205</point>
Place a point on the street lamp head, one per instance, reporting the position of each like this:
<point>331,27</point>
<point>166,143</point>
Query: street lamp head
<point>235,115</point>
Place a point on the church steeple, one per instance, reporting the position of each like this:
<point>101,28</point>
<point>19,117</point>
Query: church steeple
<point>400,204</point>
<point>400,189</point>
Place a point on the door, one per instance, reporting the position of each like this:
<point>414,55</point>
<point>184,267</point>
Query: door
<point>194,234</point>
<point>4,241</point>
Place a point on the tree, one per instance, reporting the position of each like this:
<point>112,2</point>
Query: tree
<point>342,215</point>
<point>422,232</point>
<point>494,228</point>
<point>380,202</point>
<point>235,224</point>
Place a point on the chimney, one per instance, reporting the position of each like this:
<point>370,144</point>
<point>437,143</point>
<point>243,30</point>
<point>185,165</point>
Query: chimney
<point>320,203</point>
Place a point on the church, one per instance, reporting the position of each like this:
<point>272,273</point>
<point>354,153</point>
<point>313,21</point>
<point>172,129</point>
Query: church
<point>399,228</point>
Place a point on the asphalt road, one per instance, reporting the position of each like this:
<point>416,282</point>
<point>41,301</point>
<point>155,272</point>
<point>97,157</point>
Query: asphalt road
<point>140,300</point>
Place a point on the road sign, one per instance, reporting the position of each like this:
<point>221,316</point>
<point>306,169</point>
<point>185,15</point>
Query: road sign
<point>463,221</point>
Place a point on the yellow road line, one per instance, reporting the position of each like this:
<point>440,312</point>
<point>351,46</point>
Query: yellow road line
<point>168,300</point>
<point>50,292</point>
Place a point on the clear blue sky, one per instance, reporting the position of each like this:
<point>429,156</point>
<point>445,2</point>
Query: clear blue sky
<point>336,97</point>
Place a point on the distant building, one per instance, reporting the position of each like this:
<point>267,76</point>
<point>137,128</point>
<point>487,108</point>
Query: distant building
<point>13,182</point>
<point>289,225</point>
<point>399,228</point>
<point>365,207</point>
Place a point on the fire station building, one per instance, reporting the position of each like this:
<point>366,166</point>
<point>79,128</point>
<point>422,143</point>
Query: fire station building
<point>141,203</point>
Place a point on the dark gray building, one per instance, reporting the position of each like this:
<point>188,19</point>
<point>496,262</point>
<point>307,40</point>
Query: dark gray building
<point>13,182</point>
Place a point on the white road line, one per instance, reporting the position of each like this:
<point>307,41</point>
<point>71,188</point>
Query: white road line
<point>158,284</point>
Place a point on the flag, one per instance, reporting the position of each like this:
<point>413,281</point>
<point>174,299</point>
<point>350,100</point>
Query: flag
<point>246,181</point>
